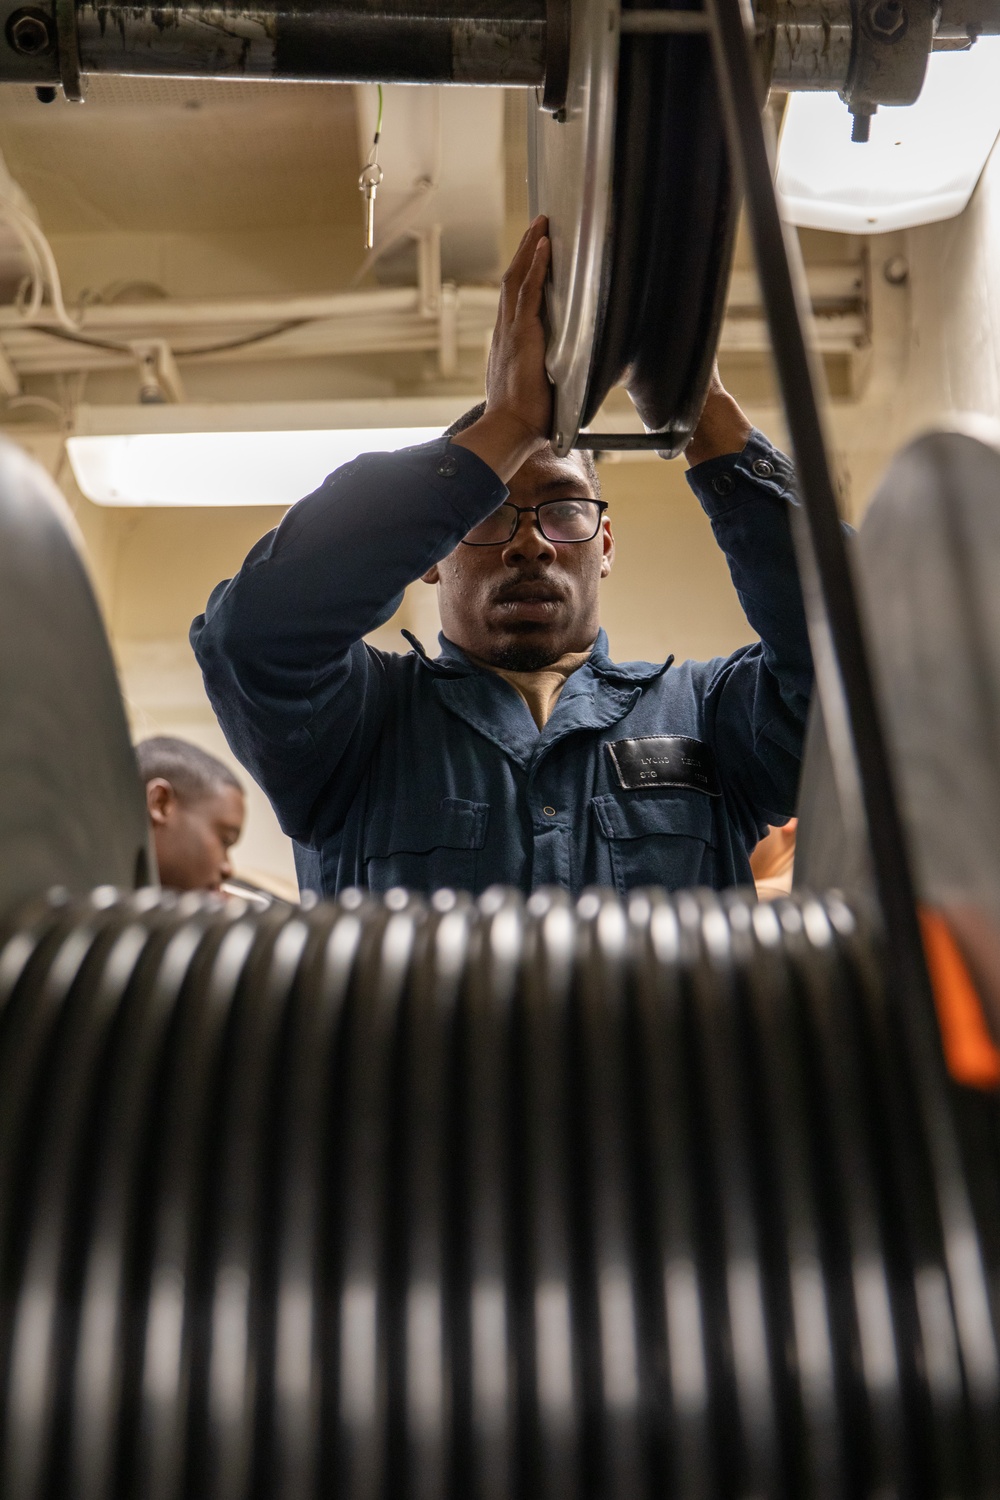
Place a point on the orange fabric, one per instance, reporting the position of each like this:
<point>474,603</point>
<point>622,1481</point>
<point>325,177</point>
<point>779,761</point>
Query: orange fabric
<point>971,1054</point>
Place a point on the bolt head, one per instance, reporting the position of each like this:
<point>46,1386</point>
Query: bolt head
<point>887,19</point>
<point>896,270</point>
<point>29,32</point>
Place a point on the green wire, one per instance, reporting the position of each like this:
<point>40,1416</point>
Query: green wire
<point>378,122</point>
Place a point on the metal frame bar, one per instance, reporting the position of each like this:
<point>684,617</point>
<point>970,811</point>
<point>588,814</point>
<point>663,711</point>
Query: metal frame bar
<point>657,22</point>
<point>68,49</point>
<point>847,693</point>
<point>506,42</point>
<point>843,671</point>
<point>626,442</point>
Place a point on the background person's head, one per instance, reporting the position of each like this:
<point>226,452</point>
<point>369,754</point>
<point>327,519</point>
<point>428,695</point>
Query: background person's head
<point>196,811</point>
<point>526,603</point>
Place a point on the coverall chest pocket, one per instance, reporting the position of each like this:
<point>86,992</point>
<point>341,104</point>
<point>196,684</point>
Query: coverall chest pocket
<point>658,838</point>
<point>427,846</point>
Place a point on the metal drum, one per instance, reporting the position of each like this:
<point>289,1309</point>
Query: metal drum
<point>72,811</point>
<point>927,556</point>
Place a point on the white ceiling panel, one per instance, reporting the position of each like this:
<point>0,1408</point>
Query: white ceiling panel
<point>168,155</point>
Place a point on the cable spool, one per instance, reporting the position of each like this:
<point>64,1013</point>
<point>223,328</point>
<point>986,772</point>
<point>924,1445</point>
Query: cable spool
<point>434,1198</point>
<point>642,226</point>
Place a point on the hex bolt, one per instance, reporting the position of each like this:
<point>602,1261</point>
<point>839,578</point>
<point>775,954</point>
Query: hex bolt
<point>151,392</point>
<point>861,125</point>
<point>29,33</point>
<point>887,18</point>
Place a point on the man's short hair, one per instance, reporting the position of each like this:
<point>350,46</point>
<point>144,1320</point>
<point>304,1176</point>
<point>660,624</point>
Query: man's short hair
<point>474,413</point>
<point>192,772</point>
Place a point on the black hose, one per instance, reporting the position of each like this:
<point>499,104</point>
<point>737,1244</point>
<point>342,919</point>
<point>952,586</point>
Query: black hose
<point>499,1200</point>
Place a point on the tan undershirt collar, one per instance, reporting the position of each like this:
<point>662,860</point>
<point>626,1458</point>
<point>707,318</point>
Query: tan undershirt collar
<point>540,690</point>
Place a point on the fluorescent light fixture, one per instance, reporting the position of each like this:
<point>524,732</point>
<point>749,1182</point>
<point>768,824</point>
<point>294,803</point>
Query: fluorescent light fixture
<point>921,163</point>
<point>239,455</point>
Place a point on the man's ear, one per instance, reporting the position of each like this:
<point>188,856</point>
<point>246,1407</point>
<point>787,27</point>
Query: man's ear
<point>608,544</point>
<point>161,800</point>
<point>431,576</point>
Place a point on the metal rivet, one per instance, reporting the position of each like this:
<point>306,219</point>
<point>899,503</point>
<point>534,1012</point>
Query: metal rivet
<point>447,466</point>
<point>549,812</point>
<point>763,468</point>
<point>723,484</point>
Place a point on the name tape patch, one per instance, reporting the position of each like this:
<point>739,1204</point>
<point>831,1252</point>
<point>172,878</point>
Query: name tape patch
<point>664,760</point>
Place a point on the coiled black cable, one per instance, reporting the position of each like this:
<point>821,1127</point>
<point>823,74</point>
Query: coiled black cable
<point>499,1200</point>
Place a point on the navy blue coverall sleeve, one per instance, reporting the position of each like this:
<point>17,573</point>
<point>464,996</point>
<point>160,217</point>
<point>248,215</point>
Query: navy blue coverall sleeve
<point>299,695</point>
<point>302,700</point>
<point>756,700</point>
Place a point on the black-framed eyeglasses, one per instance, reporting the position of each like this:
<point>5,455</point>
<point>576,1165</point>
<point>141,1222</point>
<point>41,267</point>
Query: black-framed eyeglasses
<point>557,520</point>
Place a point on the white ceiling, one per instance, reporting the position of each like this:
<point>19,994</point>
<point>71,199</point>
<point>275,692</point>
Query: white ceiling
<point>166,155</point>
<point>227,190</point>
<point>442,155</point>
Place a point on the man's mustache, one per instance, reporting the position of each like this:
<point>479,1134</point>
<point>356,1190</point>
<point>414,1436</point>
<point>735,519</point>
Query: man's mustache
<point>528,586</point>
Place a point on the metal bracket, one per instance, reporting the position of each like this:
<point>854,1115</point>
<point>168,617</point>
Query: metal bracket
<point>557,41</point>
<point>68,42</point>
<point>891,42</point>
<point>843,672</point>
<point>626,442</point>
<point>669,22</point>
<point>159,378</point>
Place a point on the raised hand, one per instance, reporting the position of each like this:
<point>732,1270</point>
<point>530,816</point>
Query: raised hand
<point>722,427</point>
<point>518,414</point>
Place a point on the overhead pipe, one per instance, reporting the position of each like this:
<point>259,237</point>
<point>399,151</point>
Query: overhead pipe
<point>428,41</point>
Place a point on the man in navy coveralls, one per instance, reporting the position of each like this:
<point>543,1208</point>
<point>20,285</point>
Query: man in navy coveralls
<point>522,754</point>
